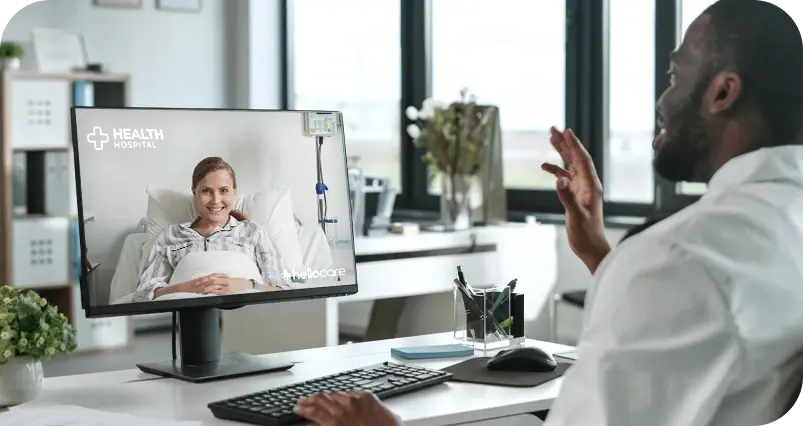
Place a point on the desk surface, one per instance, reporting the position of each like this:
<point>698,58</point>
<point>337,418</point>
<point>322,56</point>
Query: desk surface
<point>137,393</point>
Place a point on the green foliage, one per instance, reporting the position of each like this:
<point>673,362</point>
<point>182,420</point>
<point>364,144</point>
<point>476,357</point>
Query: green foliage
<point>29,326</point>
<point>454,136</point>
<point>9,49</point>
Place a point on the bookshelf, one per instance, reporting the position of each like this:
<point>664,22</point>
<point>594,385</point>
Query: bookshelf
<point>38,205</point>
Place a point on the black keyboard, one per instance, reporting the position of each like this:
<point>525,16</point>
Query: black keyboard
<point>274,407</point>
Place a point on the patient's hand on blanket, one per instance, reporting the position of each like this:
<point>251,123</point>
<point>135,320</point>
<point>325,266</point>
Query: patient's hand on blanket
<point>212,284</point>
<point>242,285</point>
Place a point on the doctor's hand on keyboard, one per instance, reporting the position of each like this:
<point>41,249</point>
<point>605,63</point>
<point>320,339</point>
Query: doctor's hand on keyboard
<point>346,409</point>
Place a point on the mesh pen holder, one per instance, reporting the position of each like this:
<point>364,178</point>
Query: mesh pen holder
<point>483,320</point>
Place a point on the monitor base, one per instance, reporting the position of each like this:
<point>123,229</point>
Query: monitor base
<point>229,366</point>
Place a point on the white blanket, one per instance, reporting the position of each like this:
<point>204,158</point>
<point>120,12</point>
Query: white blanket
<point>200,264</point>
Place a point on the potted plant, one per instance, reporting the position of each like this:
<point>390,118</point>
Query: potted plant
<point>10,55</point>
<point>31,330</point>
<point>454,137</point>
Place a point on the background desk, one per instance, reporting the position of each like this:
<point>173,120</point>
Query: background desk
<point>137,393</point>
<point>402,266</point>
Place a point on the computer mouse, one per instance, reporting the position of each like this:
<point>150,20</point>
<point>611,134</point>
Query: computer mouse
<point>528,359</point>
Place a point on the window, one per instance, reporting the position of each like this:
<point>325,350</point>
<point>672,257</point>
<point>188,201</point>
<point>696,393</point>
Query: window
<point>631,102</point>
<point>689,11</point>
<point>543,63</point>
<point>342,61</point>
<point>510,54</point>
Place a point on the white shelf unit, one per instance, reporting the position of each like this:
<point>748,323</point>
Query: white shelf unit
<point>38,206</point>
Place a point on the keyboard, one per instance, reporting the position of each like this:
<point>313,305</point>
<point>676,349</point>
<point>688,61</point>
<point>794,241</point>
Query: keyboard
<point>274,407</point>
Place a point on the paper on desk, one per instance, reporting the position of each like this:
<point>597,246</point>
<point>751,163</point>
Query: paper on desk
<point>72,415</point>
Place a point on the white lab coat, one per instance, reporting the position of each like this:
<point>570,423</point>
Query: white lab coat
<point>698,320</point>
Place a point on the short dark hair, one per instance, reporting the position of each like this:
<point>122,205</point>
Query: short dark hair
<point>761,43</point>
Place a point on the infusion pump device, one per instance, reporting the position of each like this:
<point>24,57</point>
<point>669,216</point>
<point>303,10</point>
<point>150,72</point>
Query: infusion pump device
<point>321,124</point>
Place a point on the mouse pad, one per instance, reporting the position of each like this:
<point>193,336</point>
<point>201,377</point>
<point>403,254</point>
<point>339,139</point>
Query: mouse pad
<point>474,371</point>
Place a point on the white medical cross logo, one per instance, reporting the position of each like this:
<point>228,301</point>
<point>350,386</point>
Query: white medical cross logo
<point>97,138</point>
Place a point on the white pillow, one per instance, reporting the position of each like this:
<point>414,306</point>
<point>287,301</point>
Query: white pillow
<point>199,264</point>
<point>272,209</point>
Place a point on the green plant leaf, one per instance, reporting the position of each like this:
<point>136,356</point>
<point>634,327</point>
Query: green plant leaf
<point>29,326</point>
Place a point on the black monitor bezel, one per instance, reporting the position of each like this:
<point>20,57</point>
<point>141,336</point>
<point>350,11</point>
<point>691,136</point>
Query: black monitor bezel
<point>221,302</point>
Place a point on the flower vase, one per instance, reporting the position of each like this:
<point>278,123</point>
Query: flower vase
<point>455,202</point>
<point>10,64</point>
<point>20,380</point>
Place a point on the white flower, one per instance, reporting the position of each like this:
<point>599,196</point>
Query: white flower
<point>427,109</point>
<point>50,351</point>
<point>411,113</point>
<point>7,354</point>
<point>43,302</point>
<point>23,342</point>
<point>5,335</point>
<point>413,131</point>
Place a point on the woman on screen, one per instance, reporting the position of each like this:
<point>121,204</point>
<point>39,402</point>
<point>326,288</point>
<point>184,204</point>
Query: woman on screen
<point>218,240</point>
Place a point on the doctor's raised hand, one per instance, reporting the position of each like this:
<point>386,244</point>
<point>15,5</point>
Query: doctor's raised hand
<point>346,409</point>
<point>580,191</point>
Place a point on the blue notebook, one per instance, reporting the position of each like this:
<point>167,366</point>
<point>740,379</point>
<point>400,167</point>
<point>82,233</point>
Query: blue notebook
<point>434,351</point>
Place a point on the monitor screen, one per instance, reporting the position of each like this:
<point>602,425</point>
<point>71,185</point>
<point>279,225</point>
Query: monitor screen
<point>190,208</point>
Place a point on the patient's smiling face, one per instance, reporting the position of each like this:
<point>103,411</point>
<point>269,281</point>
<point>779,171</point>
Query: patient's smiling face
<point>214,197</point>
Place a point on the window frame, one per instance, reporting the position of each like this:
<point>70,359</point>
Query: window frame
<point>668,197</point>
<point>286,46</point>
<point>587,57</point>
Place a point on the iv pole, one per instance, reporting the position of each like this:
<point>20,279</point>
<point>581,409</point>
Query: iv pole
<point>320,187</point>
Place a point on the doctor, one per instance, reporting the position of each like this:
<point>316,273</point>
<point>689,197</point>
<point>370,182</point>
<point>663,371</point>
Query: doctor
<point>697,320</point>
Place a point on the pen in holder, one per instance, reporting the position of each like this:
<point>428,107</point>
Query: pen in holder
<point>483,317</point>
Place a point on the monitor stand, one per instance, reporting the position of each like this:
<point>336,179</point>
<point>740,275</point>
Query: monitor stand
<point>200,359</point>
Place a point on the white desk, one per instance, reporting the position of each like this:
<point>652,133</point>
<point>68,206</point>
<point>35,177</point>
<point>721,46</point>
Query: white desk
<point>410,265</point>
<point>137,393</point>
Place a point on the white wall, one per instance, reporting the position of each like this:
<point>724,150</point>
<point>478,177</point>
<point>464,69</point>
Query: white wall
<point>266,149</point>
<point>224,56</point>
<point>170,55</point>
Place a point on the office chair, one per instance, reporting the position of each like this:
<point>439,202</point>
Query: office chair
<point>793,404</point>
<point>577,298</point>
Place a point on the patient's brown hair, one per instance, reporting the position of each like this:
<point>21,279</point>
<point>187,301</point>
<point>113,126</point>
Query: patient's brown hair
<point>211,165</point>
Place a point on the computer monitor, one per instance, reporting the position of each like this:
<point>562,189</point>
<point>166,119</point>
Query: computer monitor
<point>197,210</point>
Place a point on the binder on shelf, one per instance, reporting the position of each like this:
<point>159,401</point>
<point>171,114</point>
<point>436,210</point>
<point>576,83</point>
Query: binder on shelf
<point>83,93</point>
<point>76,252</point>
<point>19,178</point>
<point>57,183</point>
<point>47,183</point>
<point>35,181</point>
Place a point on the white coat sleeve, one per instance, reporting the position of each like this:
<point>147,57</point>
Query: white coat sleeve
<point>659,345</point>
